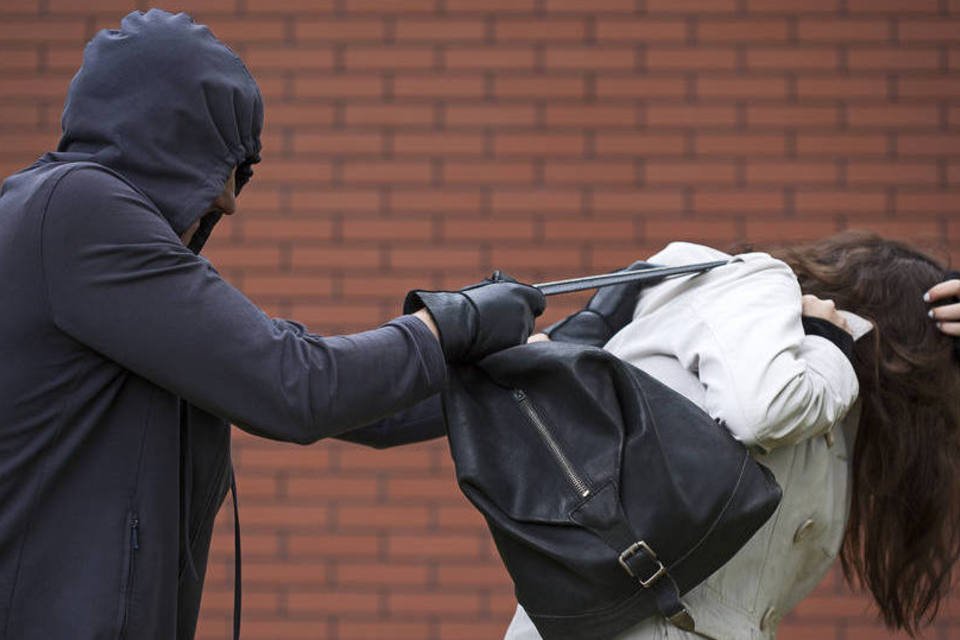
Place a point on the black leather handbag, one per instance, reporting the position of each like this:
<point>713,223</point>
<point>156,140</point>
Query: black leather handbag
<point>608,494</point>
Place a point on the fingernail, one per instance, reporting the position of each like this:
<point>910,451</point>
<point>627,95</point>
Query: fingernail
<point>930,314</point>
<point>926,297</point>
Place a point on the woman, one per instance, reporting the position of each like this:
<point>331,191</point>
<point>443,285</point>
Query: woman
<point>871,479</point>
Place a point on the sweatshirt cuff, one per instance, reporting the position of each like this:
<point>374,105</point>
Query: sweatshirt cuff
<point>428,348</point>
<point>813,326</point>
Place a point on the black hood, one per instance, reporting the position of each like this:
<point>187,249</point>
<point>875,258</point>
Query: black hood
<point>169,107</point>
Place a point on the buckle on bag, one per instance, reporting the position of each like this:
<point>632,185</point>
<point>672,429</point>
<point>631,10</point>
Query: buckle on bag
<point>634,550</point>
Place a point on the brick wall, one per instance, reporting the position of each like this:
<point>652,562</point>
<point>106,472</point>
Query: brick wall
<point>421,143</point>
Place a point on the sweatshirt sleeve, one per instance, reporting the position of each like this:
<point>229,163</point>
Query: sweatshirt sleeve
<point>741,333</point>
<point>119,281</point>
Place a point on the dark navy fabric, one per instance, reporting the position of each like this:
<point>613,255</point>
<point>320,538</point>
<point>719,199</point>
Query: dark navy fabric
<point>124,356</point>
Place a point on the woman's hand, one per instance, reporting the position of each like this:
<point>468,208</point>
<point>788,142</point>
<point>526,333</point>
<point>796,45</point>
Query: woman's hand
<point>538,337</point>
<point>947,315</point>
<point>814,307</point>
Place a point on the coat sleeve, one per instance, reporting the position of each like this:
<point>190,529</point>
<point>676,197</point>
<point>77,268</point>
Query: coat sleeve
<point>422,421</point>
<point>740,331</point>
<point>119,281</point>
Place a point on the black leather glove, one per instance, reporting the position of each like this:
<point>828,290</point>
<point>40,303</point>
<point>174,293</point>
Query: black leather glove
<point>609,310</point>
<point>478,320</point>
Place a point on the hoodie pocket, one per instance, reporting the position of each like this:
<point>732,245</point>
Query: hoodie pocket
<point>129,570</point>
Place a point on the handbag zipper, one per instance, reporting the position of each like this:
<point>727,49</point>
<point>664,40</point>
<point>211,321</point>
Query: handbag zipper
<point>530,411</point>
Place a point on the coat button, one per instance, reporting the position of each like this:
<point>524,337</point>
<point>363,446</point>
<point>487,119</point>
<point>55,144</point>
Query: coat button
<point>803,531</point>
<point>769,619</point>
<point>828,437</point>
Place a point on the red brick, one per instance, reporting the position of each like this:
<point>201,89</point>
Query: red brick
<point>879,173</point>
<point>841,144</point>
<point>277,629</point>
<point>280,113</point>
<point>645,201</point>
<point>639,144</point>
<point>435,201</point>
<point>822,173</point>
<point>63,58</point>
<point>740,202</point>
<point>537,144</point>
<point>490,115</point>
<point>593,7</point>
<point>906,116</point>
<point>536,200</point>
<point>34,87</point>
<point>337,86</point>
<point>500,172</point>
<point>301,602</point>
<point>439,86</point>
<point>222,601</point>
<point>742,87</point>
<point>382,115</point>
<point>490,229</point>
<point>428,488</point>
<point>261,59</point>
<point>691,6</point>
<point>336,30</point>
<point>590,172</point>
<point>345,317</point>
<point>300,228</point>
<point>493,58</point>
<point>699,59</point>
<point>284,515</point>
<point>438,143</point>
<point>935,87</point>
<point>953,174</point>
<point>561,115</point>
<point>792,6</point>
<point>509,30</point>
<point>377,574</point>
<point>646,30</point>
<point>19,60</point>
<point>393,629</point>
<point>741,144</point>
<point>17,30</point>
<point>886,59</point>
<point>464,258</point>
<point>248,30</point>
<point>270,456</point>
<point>940,201</point>
<point>383,57</point>
<point>742,30</point>
<point>334,200</point>
<point>938,144</point>
<point>590,58</point>
<point>321,489</point>
<point>439,30</point>
<point>339,545</point>
<point>834,87</point>
<point>636,86</point>
<point>288,286</point>
<point>310,171</point>
<point>696,229</point>
<point>310,257</point>
<point>355,228</point>
<point>558,229</point>
<point>278,6</point>
<point>927,231</point>
<point>892,6</point>
<point>491,575</point>
<point>800,58</point>
<point>762,230</point>
<point>555,258</point>
<point>929,30</point>
<point>696,116</point>
<point>489,6</point>
<point>457,547</point>
<point>842,30</point>
<point>362,460</point>
<point>794,117</point>
<point>26,7</point>
<point>388,6</point>
<point>364,286</point>
<point>241,257</point>
<point>538,86</point>
<point>684,173</point>
<point>453,603</point>
<point>841,202</point>
<point>338,143</point>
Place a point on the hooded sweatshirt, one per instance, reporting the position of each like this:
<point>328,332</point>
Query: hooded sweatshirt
<point>124,356</point>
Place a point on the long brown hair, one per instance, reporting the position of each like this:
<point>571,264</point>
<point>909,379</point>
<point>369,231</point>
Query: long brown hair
<point>903,536</point>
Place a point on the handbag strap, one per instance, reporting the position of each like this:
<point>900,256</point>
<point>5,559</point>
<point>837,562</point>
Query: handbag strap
<point>603,515</point>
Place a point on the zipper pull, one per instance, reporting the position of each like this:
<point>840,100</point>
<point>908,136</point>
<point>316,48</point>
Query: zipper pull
<point>519,395</point>
<point>135,534</point>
